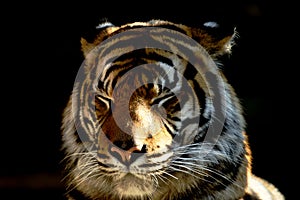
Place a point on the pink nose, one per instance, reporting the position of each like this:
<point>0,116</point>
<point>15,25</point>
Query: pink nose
<point>125,155</point>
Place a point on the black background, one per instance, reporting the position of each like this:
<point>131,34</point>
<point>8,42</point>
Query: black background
<point>42,55</point>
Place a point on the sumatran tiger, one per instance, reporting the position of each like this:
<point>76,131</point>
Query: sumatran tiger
<point>152,117</point>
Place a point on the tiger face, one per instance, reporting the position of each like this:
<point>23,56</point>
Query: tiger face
<point>137,122</point>
<point>137,136</point>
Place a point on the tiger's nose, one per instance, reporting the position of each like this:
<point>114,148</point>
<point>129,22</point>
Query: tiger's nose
<point>128,156</point>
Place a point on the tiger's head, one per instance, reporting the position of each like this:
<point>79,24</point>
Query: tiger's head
<point>143,122</point>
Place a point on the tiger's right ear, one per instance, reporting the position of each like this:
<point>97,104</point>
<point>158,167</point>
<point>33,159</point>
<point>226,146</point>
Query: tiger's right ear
<point>104,31</point>
<point>86,47</point>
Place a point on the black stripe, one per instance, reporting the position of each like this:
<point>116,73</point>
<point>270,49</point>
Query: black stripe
<point>80,134</point>
<point>140,40</point>
<point>202,120</point>
<point>210,186</point>
<point>215,87</point>
<point>190,73</point>
<point>157,155</point>
<point>137,57</point>
<point>117,77</point>
<point>174,118</point>
<point>102,156</point>
<point>172,104</point>
<point>229,169</point>
<point>157,100</point>
<point>115,67</point>
<point>168,129</point>
<point>163,25</point>
<point>173,28</point>
<point>152,164</point>
<point>78,139</point>
<point>250,197</point>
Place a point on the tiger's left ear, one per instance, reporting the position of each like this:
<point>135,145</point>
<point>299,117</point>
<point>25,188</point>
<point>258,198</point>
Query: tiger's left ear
<point>215,39</point>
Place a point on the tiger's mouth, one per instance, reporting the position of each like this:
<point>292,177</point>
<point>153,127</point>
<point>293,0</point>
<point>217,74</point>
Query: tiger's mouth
<point>131,177</point>
<point>132,185</point>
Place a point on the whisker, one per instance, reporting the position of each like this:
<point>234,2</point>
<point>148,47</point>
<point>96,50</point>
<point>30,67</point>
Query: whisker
<point>180,170</point>
<point>221,175</point>
<point>205,174</point>
<point>201,153</point>
<point>185,146</point>
<point>191,159</point>
<point>205,168</point>
<point>158,188</point>
<point>166,179</point>
<point>190,172</point>
<point>155,180</point>
<point>82,156</point>
<point>82,178</point>
<point>221,122</point>
<point>164,172</point>
<point>162,178</point>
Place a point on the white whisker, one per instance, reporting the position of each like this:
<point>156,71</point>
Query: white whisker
<point>162,178</point>
<point>221,175</point>
<point>164,172</point>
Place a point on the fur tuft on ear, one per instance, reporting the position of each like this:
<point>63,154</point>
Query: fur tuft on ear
<point>86,47</point>
<point>226,44</point>
<point>216,40</point>
<point>104,30</point>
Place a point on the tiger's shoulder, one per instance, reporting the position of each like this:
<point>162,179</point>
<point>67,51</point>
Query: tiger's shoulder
<point>260,189</point>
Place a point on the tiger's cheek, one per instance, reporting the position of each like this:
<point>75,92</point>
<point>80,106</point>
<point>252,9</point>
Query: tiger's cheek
<point>158,142</point>
<point>103,143</point>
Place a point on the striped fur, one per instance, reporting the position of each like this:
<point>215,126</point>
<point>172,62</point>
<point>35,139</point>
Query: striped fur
<point>142,121</point>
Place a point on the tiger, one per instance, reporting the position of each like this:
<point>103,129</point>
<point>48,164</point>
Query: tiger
<point>152,117</point>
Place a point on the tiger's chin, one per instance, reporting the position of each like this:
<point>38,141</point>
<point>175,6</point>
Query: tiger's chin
<point>130,185</point>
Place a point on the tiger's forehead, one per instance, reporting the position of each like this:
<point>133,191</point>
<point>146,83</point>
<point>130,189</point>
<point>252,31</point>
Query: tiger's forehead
<point>111,28</point>
<point>133,95</point>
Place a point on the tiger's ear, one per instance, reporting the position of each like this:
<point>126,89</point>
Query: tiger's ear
<point>215,39</point>
<point>104,30</point>
<point>86,47</point>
